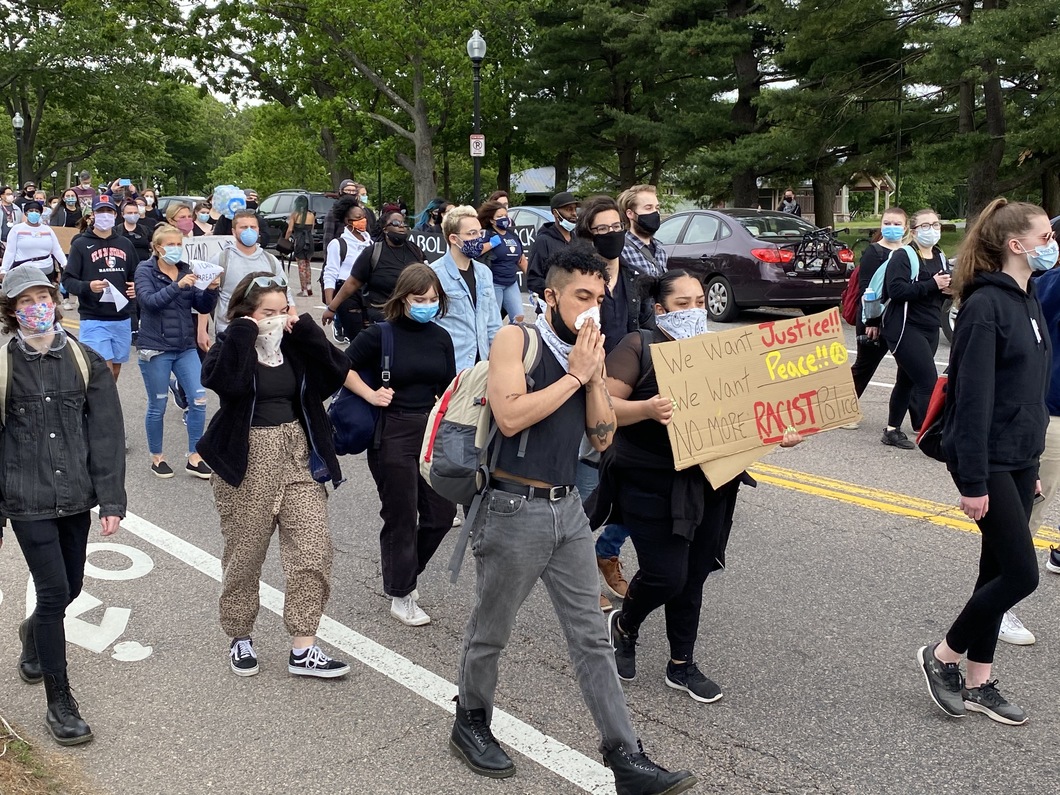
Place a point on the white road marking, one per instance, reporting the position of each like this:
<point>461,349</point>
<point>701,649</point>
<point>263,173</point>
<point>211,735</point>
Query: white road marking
<point>575,767</point>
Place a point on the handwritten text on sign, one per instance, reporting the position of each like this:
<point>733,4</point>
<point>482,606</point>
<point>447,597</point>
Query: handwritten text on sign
<point>741,389</point>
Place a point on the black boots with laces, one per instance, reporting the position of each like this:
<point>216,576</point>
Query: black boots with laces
<point>28,664</point>
<point>636,774</point>
<point>474,743</point>
<point>63,719</point>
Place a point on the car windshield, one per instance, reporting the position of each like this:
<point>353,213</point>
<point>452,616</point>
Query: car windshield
<point>321,205</point>
<point>783,226</point>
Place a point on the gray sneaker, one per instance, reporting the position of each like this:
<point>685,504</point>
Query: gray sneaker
<point>944,681</point>
<point>990,702</point>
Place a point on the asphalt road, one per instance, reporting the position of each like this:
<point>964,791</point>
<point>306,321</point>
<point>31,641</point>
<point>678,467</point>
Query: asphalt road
<point>811,633</point>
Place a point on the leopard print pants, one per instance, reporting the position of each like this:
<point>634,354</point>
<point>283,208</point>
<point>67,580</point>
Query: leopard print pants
<point>277,490</point>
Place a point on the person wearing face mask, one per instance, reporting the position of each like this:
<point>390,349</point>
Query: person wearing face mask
<point>10,214</point>
<point>153,216</point>
<point>100,262</point>
<point>203,221</point>
<point>132,228</point>
<point>789,205</point>
<point>272,373</point>
<point>86,192</point>
<point>28,194</point>
<point>340,255</point>
<point>376,270</point>
<point>892,236</point>
<point>430,220</point>
<point>994,430</point>
<point>32,242</point>
<point>415,518</point>
<point>911,323</point>
<point>640,207</point>
<point>473,317</point>
<point>68,213</point>
<point>167,294</point>
<point>183,218</point>
<point>505,258</point>
<point>551,238</point>
<point>679,523</point>
<point>60,394</point>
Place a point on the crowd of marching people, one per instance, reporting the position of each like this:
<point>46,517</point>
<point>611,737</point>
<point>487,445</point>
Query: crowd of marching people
<point>579,439</point>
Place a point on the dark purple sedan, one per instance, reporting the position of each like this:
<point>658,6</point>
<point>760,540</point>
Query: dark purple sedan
<point>751,258</point>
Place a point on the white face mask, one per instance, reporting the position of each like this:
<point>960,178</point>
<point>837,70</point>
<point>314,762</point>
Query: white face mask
<point>267,345</point>
<point>683,323</point>
<point>928,237</point>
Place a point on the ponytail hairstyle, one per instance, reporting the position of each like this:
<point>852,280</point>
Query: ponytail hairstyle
<point>658,288</point>
<point>983,247</point>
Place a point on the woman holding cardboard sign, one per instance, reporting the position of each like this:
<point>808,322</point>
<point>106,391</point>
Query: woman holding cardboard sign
<point>678,522</point>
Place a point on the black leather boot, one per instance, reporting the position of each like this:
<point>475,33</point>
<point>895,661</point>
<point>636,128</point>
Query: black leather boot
<point>28,664</point>
<point>473,742</point>
<point>63,719</point>
<point>635,774</point>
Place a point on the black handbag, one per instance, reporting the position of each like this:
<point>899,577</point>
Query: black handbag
<point>285,246</point>
<point>353,418</point>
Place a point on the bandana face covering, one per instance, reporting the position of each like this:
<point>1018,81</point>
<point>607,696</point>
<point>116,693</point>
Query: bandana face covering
<point>36,319</point>
<point>683,323</point>
<point>267,345</point>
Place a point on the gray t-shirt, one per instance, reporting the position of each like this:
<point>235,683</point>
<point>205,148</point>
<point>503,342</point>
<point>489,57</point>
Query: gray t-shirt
<point>236,266</point>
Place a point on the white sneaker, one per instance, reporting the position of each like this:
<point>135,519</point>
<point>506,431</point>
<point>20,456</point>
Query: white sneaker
<point>851,426</point>
<point>68,305</point>
<point>457,521</point>
<point>405,610</point>
<point>1013,631</point>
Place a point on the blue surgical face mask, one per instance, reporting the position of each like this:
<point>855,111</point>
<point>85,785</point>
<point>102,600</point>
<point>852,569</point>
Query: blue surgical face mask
<point>568,225</point>
<point>423,313</point>
<point>1043,257</point>
<point>172,254</point>
<point>33,217</point>
<point>132,218</point>
<point>248,237</point>
<point>204,217</point>
<point>70,200</point>
<point>503,223</point>
<point>892,234</point>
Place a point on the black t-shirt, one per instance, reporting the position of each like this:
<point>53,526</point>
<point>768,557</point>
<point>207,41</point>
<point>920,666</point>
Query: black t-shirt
<point>139,237</point>
<point>614,315</point>
<point>379,281</point>
<point>277,391</point>
<point>468,276</point>
<point>423,362</point>
<point>627,364</point>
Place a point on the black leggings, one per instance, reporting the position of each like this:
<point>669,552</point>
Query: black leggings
<point>870,354</point>
<point>915,355</point>
<point>1008,567</point>
<point>55,551</point>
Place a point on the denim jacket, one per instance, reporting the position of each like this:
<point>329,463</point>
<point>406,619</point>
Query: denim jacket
<point>62,450</point>
<point>471,326</point>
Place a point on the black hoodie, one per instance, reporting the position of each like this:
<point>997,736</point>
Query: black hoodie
<point>93,258</point>
<point>548,241</point>
<point>1000,362</point>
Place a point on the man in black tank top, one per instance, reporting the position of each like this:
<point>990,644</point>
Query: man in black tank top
<point>533,527</point>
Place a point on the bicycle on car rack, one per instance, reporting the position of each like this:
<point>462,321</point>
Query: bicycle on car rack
<point>820,253</point>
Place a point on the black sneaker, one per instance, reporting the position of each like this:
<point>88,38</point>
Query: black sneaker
<point>944,681</point>
<point>339,338</point>
<point>313,662</point>
<point>199,470</point>
<point>1053,563</point>
<point>990,702</point>
<point>244,661</point>
<point>898,439</point>
<point>636,774</point>
<point>625,645</point>
<point>162,470</point>
<point>179,398</point>
<point>689,678</point>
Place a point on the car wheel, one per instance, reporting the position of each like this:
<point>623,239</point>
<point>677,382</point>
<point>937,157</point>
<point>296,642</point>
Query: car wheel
<point>721,306</point>
<point>949,317</point>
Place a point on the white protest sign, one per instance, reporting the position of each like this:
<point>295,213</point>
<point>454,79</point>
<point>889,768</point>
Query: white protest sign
<point>205,273</point>
<point>205,247</point>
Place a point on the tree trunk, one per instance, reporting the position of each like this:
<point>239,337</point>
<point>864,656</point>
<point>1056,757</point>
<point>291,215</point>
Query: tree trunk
<point>446,192</point>
<point>1051,192</point>
<point>824,190</point>
<point>562,171</point>
<point>983,173</point>
<point>744,115</point>
<point>504,165</point>
<point>330,152</point>
<point>627,161</point>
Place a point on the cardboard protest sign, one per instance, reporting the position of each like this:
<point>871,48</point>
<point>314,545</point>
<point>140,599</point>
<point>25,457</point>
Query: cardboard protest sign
<point>205,247</point>
<point>739,390</point>
<point>65,234</point>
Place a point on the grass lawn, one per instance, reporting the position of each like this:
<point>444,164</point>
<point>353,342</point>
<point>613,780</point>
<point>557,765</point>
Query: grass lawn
<point>28,770</point>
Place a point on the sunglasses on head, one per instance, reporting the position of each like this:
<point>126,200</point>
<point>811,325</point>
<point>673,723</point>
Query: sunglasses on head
<point>264,282</point>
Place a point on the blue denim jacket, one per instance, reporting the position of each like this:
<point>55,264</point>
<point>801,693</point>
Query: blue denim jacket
<point>471,326</point>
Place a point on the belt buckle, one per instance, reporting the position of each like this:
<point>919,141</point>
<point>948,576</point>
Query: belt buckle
<point>557,493</point>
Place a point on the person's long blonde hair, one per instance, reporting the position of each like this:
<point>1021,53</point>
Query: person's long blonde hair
<point>983,247</point>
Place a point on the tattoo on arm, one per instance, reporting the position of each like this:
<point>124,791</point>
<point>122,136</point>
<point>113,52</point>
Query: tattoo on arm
<point>588,388</point>
<point>512,395</point>
<point>602,430</point>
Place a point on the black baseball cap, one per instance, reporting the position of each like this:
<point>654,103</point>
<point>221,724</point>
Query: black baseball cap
<point>34,203</point>
<point>563,199</point>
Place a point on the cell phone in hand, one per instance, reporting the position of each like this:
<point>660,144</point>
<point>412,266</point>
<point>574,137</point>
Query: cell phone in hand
<point>124,183</point>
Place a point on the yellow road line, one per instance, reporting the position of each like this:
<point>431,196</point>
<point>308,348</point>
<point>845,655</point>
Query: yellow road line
<point>888,502</point>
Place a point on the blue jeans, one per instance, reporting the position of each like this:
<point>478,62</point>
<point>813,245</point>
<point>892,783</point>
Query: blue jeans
<point>186,367</point>
<point>510,299</point>
<point>609,544</point>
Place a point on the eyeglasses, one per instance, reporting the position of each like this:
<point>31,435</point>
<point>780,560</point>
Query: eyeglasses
<point>603,229</point>
<point>264,282</point>
<point>928,227</point>
<point>398,224</point>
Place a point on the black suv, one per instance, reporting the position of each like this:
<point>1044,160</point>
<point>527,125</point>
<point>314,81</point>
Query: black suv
<point>278,207</point>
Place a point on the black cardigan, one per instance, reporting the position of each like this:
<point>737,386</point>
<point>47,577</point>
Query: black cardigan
<point>229,370</point>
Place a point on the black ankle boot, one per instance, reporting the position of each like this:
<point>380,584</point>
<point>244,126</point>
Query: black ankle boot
<point>28,664</point>
<point>635,774</point>
<point>473,742</point>
<point>63,719</point>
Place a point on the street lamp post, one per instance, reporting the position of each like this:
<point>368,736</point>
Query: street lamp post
<point>18,123</point>
<point>55,182</point>
<point>476,51</point>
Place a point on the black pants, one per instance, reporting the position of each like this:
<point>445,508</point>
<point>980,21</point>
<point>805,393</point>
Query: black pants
<point>672,569</point>
<point>55,551</point>
<point>915,355</point>
<point>350,316</point>
<point>1008,567</point>
<point>406,543</point>
<point>868,359</point>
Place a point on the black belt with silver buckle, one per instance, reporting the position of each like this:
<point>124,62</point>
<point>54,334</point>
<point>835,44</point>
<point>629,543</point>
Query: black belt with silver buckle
<point>550,493</point>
